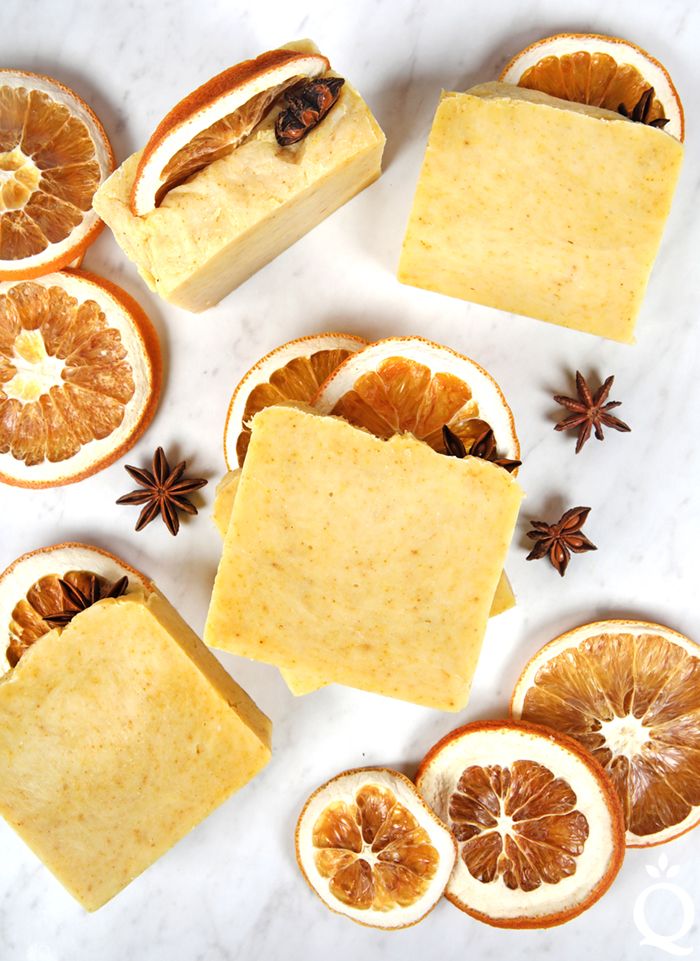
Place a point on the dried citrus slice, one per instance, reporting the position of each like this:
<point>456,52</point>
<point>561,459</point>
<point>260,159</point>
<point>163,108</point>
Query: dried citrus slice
<point>628,691</point>
<point>413,385</point>
<point>372,850</point>
<point>29,590</point>
<point>54,154</point>
<point>539,828</point>
<point>80,374</point>
<point>211,121</point>
<point>601,71</point>
<point>293,371</point>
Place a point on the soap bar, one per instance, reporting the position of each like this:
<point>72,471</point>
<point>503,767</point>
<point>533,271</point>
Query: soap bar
<point>361,561</point>
<point>230,219</point>
<point>539,206</point>
<point>305,682</point>
<point>118,735</point>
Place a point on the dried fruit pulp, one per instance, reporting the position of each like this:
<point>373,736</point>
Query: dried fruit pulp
<point>518,822</point>
<point>403,395</point>
<point>373,851</point>
<point>632,699</point>
<point>64,375</point>
<point>299,379</point>
<point>592,78</point>
<point>48,172</point>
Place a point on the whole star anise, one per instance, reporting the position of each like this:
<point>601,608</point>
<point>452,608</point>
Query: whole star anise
<point>76,600</point>
<point>164,492</point>
<point>558,541</point>
<point>307,105</point>
<point>641,110</point>
<point>484,446</point>
<point>590,412</point>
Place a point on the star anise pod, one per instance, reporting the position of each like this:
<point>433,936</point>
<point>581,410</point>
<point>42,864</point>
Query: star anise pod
<point>75,600</point>
<point>307,105</point>
<point>590,412</point>
<point>164,492</point>
<point>558,541</point>
<point>641,110</point>
<point>484,446</point>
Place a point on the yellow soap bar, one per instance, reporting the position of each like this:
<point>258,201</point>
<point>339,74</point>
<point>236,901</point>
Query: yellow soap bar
<point>118,735</point>
<point>227,221</point>
<point>304,682</point>
<point>361,561</point>
<point>539,206</point>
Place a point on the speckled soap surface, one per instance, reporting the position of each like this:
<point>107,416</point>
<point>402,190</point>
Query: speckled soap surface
<point>233,893</point>
<point>359,559</point>
<point>532,204</point>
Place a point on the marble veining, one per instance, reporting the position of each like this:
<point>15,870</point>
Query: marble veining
<point>231,889</point>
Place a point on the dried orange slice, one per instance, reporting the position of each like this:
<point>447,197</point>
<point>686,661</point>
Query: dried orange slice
<point>211,121</point>
<point>29,590</point>
<point>414,385</point>
<point>539,828</point>
<point>80,375</point>
<point>601,71</point>
<point>629,692</point>
<point>54,154</point>
<point>293,371</point>
<point>372,850</point>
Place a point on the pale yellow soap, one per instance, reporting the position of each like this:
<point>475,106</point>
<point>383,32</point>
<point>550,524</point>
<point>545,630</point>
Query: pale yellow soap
<point>214,231</point>
<point>305,682</point>
<point>117,736</point>
<point>541,207</point>
<point>360,561</point>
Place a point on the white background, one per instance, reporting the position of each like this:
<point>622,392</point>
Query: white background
<point>231,889</point>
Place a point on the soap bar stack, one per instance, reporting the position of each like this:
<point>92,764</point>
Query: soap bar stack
<point>371,563</point>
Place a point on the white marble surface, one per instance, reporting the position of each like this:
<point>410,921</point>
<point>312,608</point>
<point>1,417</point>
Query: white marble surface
<point>231,890</point>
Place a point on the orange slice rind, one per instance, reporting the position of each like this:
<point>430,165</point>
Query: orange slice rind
<point>629,692</point>
<point>54,154</point>
<point>597,70</point>
<point>291,372</point>
<point>80,377</point>
<point>29,588</point>
<point>538,825</point>
<point>211,121</point>
<point>372,850</point>
<point>414,385</point>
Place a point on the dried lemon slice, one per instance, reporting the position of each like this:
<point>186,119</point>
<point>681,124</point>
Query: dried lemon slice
<point>538,824</point>
<point>629,692</point>
<point>29,590</point>
<point>601,71</point>
<point>80,376</point>
<point>54,154</point>
<point>372,849</point>
<point>210,122</point>
<point>292,371</point>
<point>414,385</point>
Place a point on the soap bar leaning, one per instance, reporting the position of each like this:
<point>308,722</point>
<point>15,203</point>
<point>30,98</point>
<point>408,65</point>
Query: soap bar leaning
<point>299,681</point>
<point>541,207</point>
<point>117,736</point>
<point>361,561</point>
<point>214,231</point>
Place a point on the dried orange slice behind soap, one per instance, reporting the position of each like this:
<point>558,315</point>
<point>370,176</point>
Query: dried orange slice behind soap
<point>80,377</point>
<point>603,72</point>
<point>538,824</point>
<point>372,850</point>
<point>54,154</point>
<point>30,591</point>
<point>629,692</point>
<point>293,371</point>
